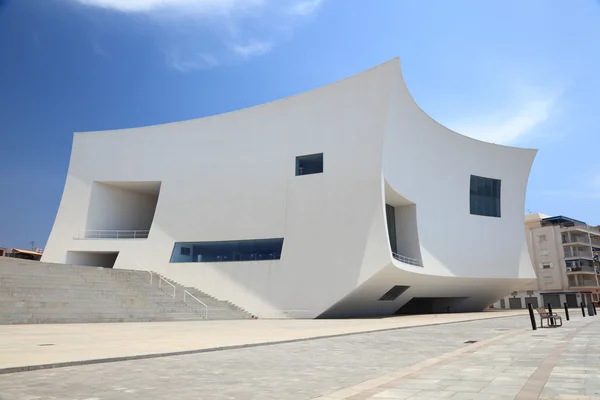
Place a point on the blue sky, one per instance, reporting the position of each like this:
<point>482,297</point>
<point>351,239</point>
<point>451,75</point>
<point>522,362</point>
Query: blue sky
<point>515,72</point>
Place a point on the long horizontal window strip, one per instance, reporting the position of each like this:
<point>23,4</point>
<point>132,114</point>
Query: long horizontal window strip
<point>227,251</point>
<point>485,196</point>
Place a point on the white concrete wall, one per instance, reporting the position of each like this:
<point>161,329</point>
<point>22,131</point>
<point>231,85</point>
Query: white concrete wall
<point>431,166</point>
<point>336,253</point>
<point>117,208</point>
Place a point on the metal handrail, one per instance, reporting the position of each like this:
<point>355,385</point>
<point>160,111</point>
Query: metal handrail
<point>161,279</point>
<point>145,269</point>
<point>584,227</point>
<point>185,292</point>
<point>405,259</point>
<point>113,234</point>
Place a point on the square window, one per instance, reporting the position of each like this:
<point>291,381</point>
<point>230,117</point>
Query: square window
<point>309,164</point>
<point>485,196</point>
<point>544,252</point>
<point>185,251</point>
<point>542,238</point>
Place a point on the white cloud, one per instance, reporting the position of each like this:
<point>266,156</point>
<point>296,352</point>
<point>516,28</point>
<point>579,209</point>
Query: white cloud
<point>508,127</point>
<point>197,6</point>
<point>304,8</point>
<point>208,33</point>
<point>252,49</point>
<point>186,63</point>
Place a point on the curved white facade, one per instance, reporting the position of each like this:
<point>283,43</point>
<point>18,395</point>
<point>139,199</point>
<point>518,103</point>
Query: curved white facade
<point>233,177</point>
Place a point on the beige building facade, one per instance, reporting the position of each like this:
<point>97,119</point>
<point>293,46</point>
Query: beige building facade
<point>565,255</point>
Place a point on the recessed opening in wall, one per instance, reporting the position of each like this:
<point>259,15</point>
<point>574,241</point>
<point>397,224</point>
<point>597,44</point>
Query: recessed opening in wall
<point>121,210</point>
<point>309,164</point>
<point>394,293</point>
<point>401,221</point>
<point>431,305</point>
<point>104,259</point>
<point>227,251</point>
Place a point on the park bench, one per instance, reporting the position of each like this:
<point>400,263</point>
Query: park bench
<point>552,318</point>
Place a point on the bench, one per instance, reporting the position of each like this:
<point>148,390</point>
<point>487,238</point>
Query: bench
<point>552,319</point>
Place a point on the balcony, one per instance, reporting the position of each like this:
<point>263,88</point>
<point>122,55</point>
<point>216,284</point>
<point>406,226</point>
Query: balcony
<point>406,260</point>
<point>586,269</point>
<point>112,234</point>
<point>581,227</point>
<point>577,253</point>
<point>585,284</point>
<point>584,240</point>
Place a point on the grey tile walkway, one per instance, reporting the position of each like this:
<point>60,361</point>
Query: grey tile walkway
<point>434,362</point>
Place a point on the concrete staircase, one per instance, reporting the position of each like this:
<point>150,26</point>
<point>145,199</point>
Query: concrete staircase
<point>217,309</point>
<point>35,292</point>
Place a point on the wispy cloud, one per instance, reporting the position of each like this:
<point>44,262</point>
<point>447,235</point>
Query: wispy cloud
<point>304,8</point>
<point>252,49</point>
<point>189,62</point>
<point>196,6</point>
<point>510,126</point>
<point>229,29</point>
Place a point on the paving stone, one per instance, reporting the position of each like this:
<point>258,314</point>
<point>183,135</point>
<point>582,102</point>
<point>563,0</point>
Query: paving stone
<point>346,365</point>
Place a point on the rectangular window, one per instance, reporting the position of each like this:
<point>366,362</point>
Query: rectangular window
<point>228,251</point>
<point>309,164</point>
<point>546,266</point>
<point>544,252</point>
<point>485,196</point>
<point>390,213</point>
<point>542,238</point>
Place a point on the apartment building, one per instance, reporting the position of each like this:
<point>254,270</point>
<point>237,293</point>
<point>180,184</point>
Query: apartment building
<point>565,254</point>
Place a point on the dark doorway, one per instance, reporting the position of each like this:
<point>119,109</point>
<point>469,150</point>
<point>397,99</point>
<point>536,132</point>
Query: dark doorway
<point>533,301</point>
<point>515,303</point>
<point>553,299</point>
<point>431,305</point>
<point>572,300</point>
<point>104,259</point>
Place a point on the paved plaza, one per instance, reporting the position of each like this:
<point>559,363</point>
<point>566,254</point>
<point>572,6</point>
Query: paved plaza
<point>499,358</point>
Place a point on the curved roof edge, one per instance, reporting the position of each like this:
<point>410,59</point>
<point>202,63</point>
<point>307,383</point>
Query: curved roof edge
<point>403,82</point>
<point>328,85</point>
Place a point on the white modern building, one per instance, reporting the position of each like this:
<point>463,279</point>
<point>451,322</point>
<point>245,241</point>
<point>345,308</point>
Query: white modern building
<point>344,201</point>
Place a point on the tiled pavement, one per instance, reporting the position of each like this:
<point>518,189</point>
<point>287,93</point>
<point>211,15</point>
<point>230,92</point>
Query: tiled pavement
<point>508,361</point>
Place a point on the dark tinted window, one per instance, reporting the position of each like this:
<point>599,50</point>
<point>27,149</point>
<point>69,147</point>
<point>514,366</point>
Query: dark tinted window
<point>310,164</point>
<point>228,251</point>
<point>485,196</point>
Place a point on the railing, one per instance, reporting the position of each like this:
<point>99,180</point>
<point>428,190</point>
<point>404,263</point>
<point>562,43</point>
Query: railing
<point>593,284</point>
<point>186,293</point>
<point>582,227</point>
<point>582,254</point>
<point>161,280</point>
<point>405,259</point>
<point>145,269</point>
<point>581,268</point>
<point>113,234</point>
<point>576,239</point>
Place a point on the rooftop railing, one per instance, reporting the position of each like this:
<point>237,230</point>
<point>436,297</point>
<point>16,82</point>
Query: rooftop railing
<point>112,234</point>
<point>581,227</point>
<point>405,259</point>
